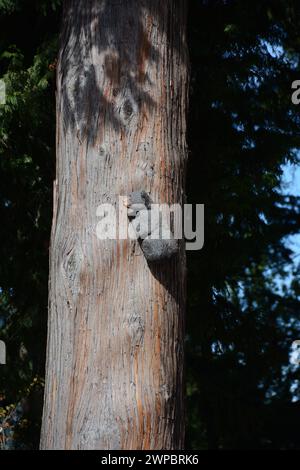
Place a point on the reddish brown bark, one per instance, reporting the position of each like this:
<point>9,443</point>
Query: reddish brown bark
<point>114,377</point>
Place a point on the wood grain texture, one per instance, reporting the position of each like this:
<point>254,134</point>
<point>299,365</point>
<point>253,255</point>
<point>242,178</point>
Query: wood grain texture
<point>114,372</point>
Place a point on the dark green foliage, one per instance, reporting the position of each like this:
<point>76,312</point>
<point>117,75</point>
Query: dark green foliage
<point>242,129</point>
<point>27,139</point>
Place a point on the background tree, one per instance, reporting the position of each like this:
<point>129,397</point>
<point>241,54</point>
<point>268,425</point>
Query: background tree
<point>28,48</point>
<point>241,323</point>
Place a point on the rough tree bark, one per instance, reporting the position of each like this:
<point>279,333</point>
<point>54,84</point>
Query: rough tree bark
<point>114,372</point>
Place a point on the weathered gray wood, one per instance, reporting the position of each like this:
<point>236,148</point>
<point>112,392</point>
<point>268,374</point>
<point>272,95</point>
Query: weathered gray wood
<point>114,368</point>
<point>2,352</point>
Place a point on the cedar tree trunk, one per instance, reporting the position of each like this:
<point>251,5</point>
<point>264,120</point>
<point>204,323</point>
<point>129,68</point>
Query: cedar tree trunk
<point>114,372</point>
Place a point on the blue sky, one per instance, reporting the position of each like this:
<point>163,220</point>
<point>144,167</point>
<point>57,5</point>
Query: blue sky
<point>291,185</point>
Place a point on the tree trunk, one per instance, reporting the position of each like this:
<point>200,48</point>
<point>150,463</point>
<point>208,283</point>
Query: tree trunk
<point>114,372</point>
